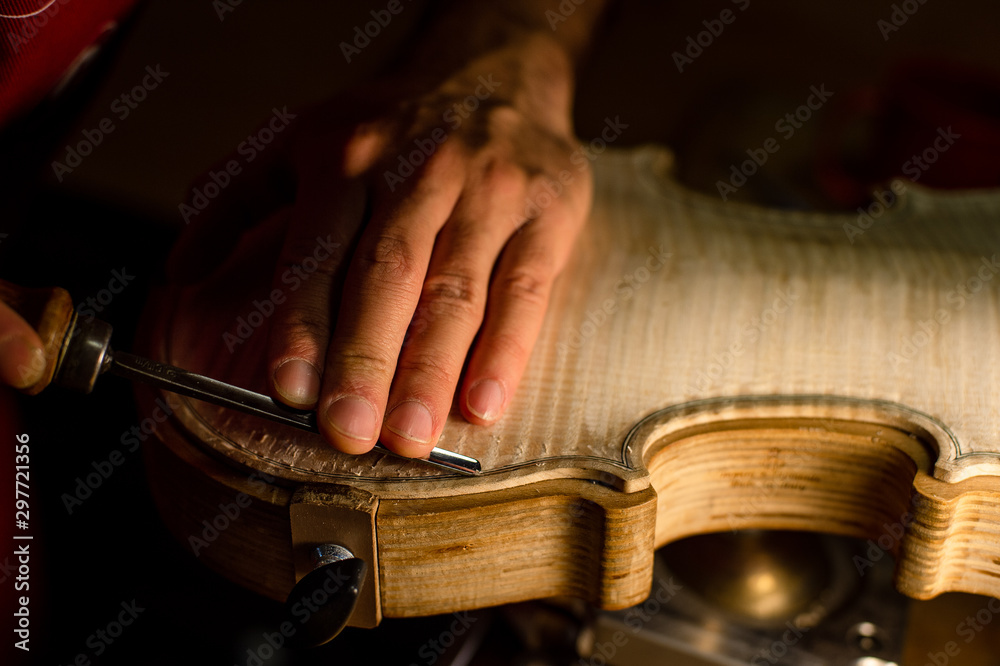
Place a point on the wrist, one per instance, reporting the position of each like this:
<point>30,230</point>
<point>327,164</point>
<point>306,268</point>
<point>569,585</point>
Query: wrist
<point>533,74</point>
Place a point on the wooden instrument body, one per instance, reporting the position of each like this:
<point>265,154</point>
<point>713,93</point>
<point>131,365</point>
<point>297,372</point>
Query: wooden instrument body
<point>703,367</point>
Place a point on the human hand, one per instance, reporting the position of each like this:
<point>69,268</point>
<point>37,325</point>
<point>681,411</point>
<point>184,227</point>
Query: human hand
<point>424,236</point>
<point>22,357</point>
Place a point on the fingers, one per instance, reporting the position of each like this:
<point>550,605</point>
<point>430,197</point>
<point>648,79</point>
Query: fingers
<point>383,286</point>
<point>519,296</point>
<point>450,311</point>
<point>307,287</point>
<point>401,343</point>
<point>22,358</point>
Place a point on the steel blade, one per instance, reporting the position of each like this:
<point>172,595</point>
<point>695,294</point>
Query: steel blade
<point>193,385</point>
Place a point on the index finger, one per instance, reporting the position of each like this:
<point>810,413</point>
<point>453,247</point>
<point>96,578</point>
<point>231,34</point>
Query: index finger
<point>382,290</point>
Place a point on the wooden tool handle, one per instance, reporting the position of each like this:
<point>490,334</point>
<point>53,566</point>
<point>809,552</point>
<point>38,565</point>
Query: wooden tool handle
<point>50,312</point>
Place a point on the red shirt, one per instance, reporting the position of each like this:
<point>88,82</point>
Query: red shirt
<point>41,41</point>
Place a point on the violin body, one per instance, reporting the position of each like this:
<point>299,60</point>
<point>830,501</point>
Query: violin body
<point>704,366</point>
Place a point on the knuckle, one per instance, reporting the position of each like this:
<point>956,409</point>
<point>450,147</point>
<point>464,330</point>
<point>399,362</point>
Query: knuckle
<point>445,160</point>
<point>303,322</point>
<point>503,116</point>
<point>363,145</point>
<point>367,361</point>
<point>509,345</point>
<point>545,181</point>
<point>299,332</point>
<point>527,285</point>
<point>431,371</point>
<point>453,293</point>
<point>503,179</point>
<point>392,260</point>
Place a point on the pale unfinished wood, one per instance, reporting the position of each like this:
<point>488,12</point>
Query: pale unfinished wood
<point>317,512</point>
<point>843,374</point>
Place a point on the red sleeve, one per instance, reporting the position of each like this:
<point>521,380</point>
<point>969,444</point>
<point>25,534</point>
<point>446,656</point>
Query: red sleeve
<point>42,40</point>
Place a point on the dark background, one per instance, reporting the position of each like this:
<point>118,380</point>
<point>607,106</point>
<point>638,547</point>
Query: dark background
<point>119,209</point>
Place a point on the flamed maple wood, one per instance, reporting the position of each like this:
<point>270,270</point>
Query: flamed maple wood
<point>705,366</point>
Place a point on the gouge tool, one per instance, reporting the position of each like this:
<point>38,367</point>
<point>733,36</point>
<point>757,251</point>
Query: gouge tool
<point>78,352</point>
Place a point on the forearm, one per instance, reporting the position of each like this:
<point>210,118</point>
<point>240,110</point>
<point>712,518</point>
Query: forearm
<point>529,45</point>
<point>456,183</point>
<point>459,30</point>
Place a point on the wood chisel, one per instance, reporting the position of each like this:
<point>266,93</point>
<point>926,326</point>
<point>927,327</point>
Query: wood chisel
<point>78,352</point>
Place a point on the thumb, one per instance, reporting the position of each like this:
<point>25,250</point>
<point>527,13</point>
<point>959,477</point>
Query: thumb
<point>22,357</point>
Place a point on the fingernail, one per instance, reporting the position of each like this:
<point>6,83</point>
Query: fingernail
<point>412,421</point>
<point>25,362</point>
<point>297,381</point>
<point>486,399</point>
<point>352,417</point>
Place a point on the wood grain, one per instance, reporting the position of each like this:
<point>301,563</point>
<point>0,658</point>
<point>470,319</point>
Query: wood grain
<point>699,356</point>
